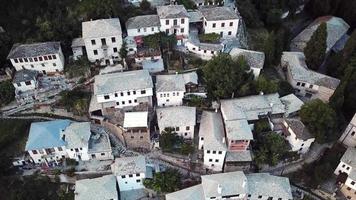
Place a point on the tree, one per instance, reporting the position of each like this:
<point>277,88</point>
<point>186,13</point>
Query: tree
<point>169,140</point>
<point>265,85</point>
<point>167,181</point>
<point>123,50</point>
<point>224,77</point>
<point>274,17</point>
<point>316,48</point>
<point>249,13</point>
<point>320,119</point>
<point>7,92</point>
<point>145,5</point>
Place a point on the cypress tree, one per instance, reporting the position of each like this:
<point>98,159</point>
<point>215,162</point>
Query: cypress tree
<point>316,48</point>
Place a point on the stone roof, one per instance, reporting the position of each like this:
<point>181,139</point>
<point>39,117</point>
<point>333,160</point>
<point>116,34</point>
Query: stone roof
<point>238,156</point>
<point>135,119</point>
<point>190,77</point>
<point>255,59</point>
<point>153,66</point>
<point>349,157</point>
<point>172,11</point>
<point>195,16</point>
<point>336,29</point>
<point>250,107</point>
<point>34,49</point>
<point>176,116</point>
<point>268,185</point>
<point>101,28</point>
<point>129,165</point>
<point>353,120</point>
<point>142,21</point>
<point>77,134</point>
<point>238,130</point>
<point>78,42</point>
<point>131,80</point>
<point>299,129</point>
<point>173,82</point>
<point>46,134</point>
<point>99,142</point>
<point>298,70</point>
<point>25,75</point>
<point>212,129</point>
<point>96,189</point>
<point>191,193</point>
<point>292,103</point>
<point>210,46</point>
<point>218,13</point>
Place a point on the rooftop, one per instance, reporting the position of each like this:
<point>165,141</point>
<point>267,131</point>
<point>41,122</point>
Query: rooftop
<point>300,72</point>
<point>96,188</point>
<point>46,134</point>
<point>190,77</point>
<point>99,143</point>
<point>172,11</point>
<point>78,42</point>
<point>238,156</point>
<point>191,193</point>
<point>123,81</point>
<point>142,21</point>
<point>238,130</point>
<point>34,49</point>
<point>77,134</point>
<point>255,59</point>
<point>176,116</point>
<point>135,119</point>
<point>212,129</point>
<point>218,13</point>
<point>25,75</point>
<point>129,165</point>
<point>153,66</point>
<point>349,157</point>
<point>101,28</point>
<point>195,16</point>
<point>299,129</point>
<point>173,82</point>
<point>353,120</point>
<point>292,103</point>
<point>336,29</point>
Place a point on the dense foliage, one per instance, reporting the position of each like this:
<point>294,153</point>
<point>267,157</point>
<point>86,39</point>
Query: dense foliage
<point>167,181</point>
<point>209,37</point>
<point>76,101</point>
<point>170,142</point>
<point>316,48</point>
<point>7,92</point>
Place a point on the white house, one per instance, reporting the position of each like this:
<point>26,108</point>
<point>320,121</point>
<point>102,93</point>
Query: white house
<point>103,40</point>
<point>306,82</point>
<point>347,169</point>
<point>78,48</point>
<point>143,25</point>
<point>297,135</point>
<point>170,90</point>
<point>174,19</point>
<point>25,80</point>
<point>220,20</point>
<point>130,172</point>
<point>212,140</point>
<point>348,138</point>
<point>205,51</point>
<point>46,57</point>
<point>255,59</point>
<point>236,185</point>
<point>137,130</point>
<point>180,118</point>
<point>102,188</point>
<point>77,136</point>
<point>123,89</point>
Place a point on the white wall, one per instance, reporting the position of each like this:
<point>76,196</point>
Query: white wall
<point>125,98</point>
<point>56,155</point>
<point>171,27</point>
<point>150,30</point>
<point>173,98</point>
<point>101,52</point>
<point>256,72</point>
<point>214,160</point>
<point>351,183</point>
<point>74,153</point>
<point>182,131</point>
<point>141,59</point>
<point>23,87</point>
<point>130,183</point>
<point>228,31</point>
<point>348,138</point>
<point>105,155</point>
<point>343,168</point>
<point>203,54</point>
<point>77,52</point>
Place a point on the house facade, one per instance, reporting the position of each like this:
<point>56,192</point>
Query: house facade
<point>170,90</point>
<point>255,59</point>
<point>348,138</point>
<point>137,130</point>
<point>78,48</point>
<point>205,51</point>
<point>174,19</point>
<point>346,170</point>
<point>46,57</point>
<point>143,25</point>
<point>103,40</point>
<point>25,80</point>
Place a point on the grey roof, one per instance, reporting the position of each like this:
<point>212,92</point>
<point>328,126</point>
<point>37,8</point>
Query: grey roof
<point>78,42</point>
<point>230,183</point>
<point>190,77</point>
<point>101,28</point>
<point>268,185</point>
<point>299,71</point>
<point>238,156</point>
<point>255,59</point>
<point>99,143</point>
<point>251,107</point>
<point>173,82</point>
<point>292,103</point>
<point>131,80</point>
<point>34,49</point>
<point>349,157</point>
<point>96,188</point>
<point>238,130</point>
<point>299,129</point>
<point>336,29</point>
<point>134,194</point>
<point>190,193</point>
<point>153,66</point>
<point>176,116</point>
<point>195,16</point>
<point>212,129</point>
<point>129,165</point>
<point>172,11</point>
<point>77,134</point>
<point>25,75</point>
<point>218,13</point>
<point>142,21</point>
<point>353,120</point>
<point>210,46</point>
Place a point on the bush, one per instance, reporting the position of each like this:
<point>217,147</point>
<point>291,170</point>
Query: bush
<point>7,93</point>
<point>209,38</point>
<point>71,172</point>
<point>71,162</point>
<point>167,181</point>
<point>186,149</point>
<point>262,126</point>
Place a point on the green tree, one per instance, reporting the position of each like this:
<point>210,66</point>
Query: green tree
<point>265,85</point>
<point>167,181</point>
<point>316,48</point>
<point>188,4</point>
<point>145,5</point>
<point>169,140</point>
<point>7,92</point>
<point>249,13</point>
<point>274,17</point>
<point>186,149</point>
<point>320,119</point>
<point>123,50</point>
<point>224,77</point>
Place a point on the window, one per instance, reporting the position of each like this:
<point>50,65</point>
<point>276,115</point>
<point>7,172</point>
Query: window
<point>182,30</point>
<point>35,59</point>
<point>143,91</point>
<point>167,22</point>
<point>212,52</point>
<point>103,154</point>
<point>144,29</point>
<point>167,31</point>
<point>310,86</point>
<point>152,29</point>
<point>222,24</point>
<point>40,59</point>
<point>219,152</point>
<point>260,196</point>
<point>134,92</point>
<point>95,52</point>
<point>353,133</point>
<point>43,64</point>
<point>128,93</point>
<point>303,84</point>
<point>54,56</point>
<point>117,103</point>
<point>141,137</point>
<point>343,166</point>
<point>231,23</point>
<point>113,39</point>
<point>204,51</point>
<point>177,93</point>
<point>20,59</point>
<point>182,21</point>
<point>41,151</point>
<point>202,138</point>
<point>106,97</point>
<point>31,60</point>
<point>130,101</point>
<point>28,82</point>
<point>208,151</point>
<point>115,94</point>
<point>221,34</point>
<point>210,160</point>
<point>214,152</point>
<point>15,60</point>
<point>45,57</point>
<point>114,49</point>
<point>132,137</point>
<point>138,180</point>
<point>32,66</point>
<point>18,84</point>
<point>130,175</point>
<point>347,168</point>
<point>185,134</point>
<point>93,42</point>
<point>25,59</point>
<point>216,160</point>
<point>54,64</point>
<point>121,94</point>
<point>138,30</point>
<point>135,100</point>
<point>34,151</point>
<point>103,41</point>
<point>123,102</point>
<point>352,182</point>
<point>175,22</point>
<point>137,175</point>
<point>177,128</point>
<point>187,128</point>
<point>229,33</point>
<point>123,176</point>
<point>348,188</point>
<point>214,25</point>
<point>298,83</point>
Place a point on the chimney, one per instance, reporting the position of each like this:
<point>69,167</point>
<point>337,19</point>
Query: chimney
<point>219,189</point>
<point>261,93</point>
<point>223,140</point>
<point>176,73</point>
<point>271,104</point>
